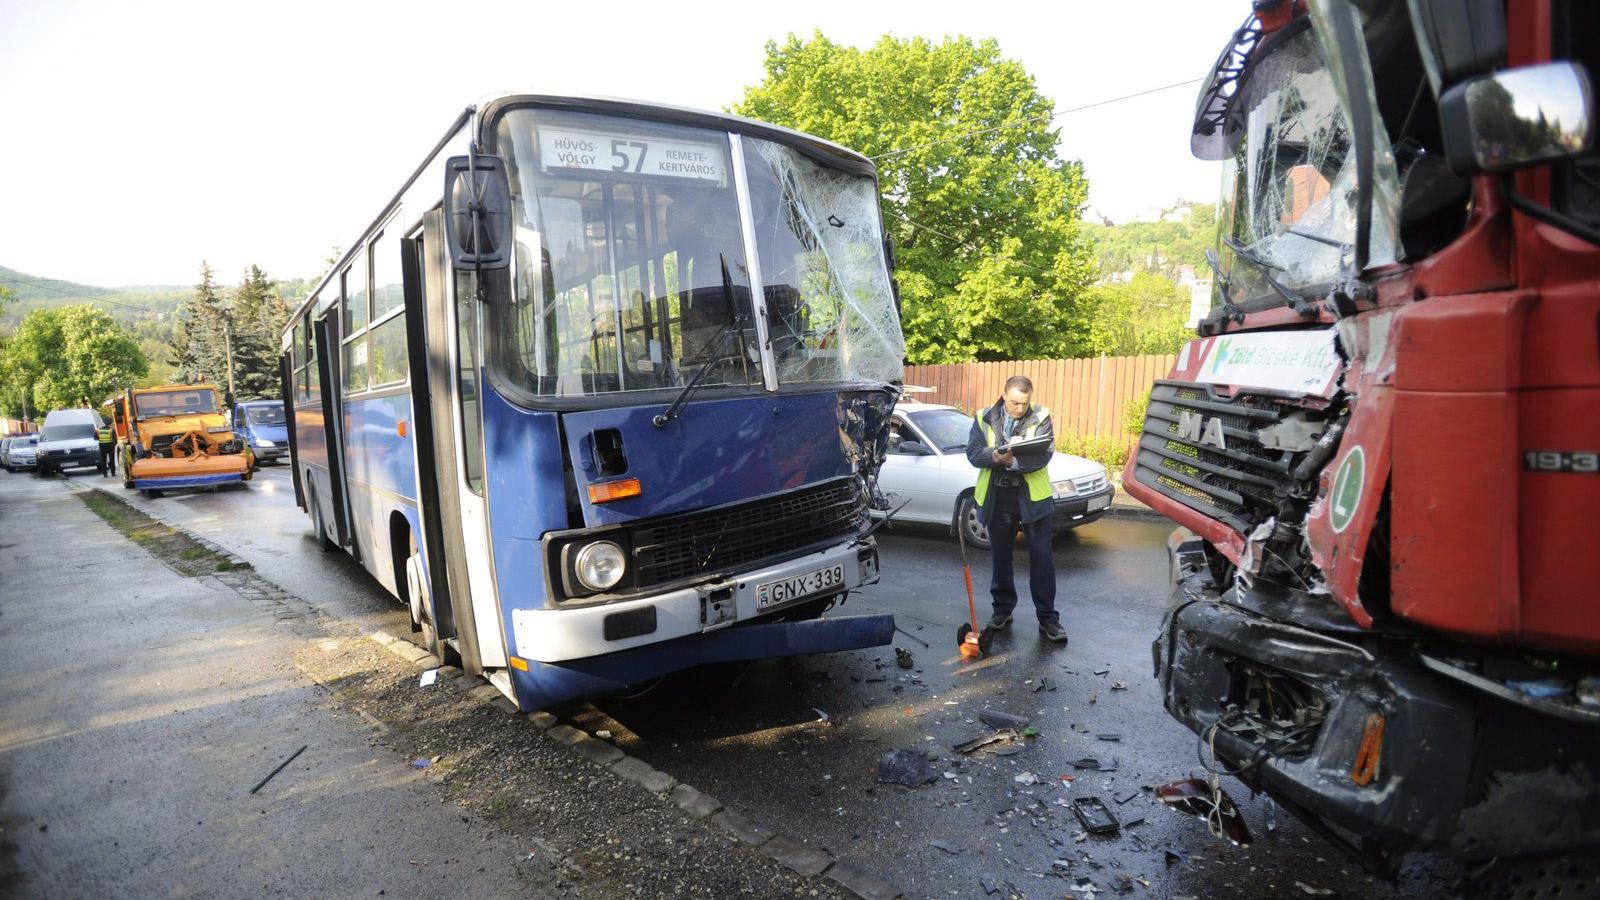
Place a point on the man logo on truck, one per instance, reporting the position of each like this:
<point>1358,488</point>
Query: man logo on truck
<point>1197,429</point>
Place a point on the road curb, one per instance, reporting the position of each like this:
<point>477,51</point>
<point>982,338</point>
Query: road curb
<point>797,856</point>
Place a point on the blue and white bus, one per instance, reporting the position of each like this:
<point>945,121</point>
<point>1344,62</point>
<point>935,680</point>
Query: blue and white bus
<point>603,391</point>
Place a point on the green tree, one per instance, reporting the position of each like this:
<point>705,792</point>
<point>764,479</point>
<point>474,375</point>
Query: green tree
<point>1162,246</point>
<point>69,356</point>
<point>257,316</point>
<point>1145,314</point>
<point>984,214</point>
<point>201,351</point>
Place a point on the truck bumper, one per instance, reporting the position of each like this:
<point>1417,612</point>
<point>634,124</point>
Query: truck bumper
<point>1400,756</point>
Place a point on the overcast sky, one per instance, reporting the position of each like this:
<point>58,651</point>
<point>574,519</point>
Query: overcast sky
<point>138,138</point>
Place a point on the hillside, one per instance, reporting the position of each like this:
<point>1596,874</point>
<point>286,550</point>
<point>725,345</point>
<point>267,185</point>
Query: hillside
<point>129,304</point>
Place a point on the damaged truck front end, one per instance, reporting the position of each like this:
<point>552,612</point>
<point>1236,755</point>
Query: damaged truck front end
<point>1386,609</point>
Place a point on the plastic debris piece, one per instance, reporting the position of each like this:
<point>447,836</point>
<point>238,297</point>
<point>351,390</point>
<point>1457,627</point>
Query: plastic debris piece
<point>907,767</point>
<point>1544,689</point>
<point>903,658</point>
<point>428,678</point>
<point>1313,891</point>
<point>1095,764</point>
<point>1124,798</point>
<point>947,847</point>
<point>1211,805</point>
<point>821,715</point>
<point>994,718</point>
<point>1006,750</point>
<point>1002,736</point>
<point>1119,685</point>
<point>1095,815</point>
<point>1085,887</point>
<point>1102,671</point>
<point>1109,737</point>
<point>1122,884</point>
<point>1026,778</point>
<point>989,887</point>
<point>421,762</point>
<point>603,734</point>
<point>1172,856</point>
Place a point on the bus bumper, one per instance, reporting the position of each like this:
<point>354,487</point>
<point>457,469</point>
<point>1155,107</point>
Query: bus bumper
<point>545,684</point>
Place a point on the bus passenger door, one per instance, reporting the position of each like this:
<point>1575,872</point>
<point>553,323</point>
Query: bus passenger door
<point>449,458</point>
<point>333,427</point>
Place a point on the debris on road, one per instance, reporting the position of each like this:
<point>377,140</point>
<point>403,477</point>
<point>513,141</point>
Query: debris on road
<point>603,734</point>
<point>946,846</point>
<point>996,719</point>
<point>1119,685</point>
<point>1095,764</point>
<point>907,767</point>
<point>262,783</point>
<point>903,658</point>
<point>1004,736</point>
<point>1313,891</point>
<point>908,634</point>
<point>1207,802</point>
<point>421,762</point>
<point>428,678</point>
<point>1095,815</point>
<point>1026,778</point>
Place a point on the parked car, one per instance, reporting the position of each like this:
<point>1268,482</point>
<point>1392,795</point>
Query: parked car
<point>261,424</point>
<point>69,438</point>
<point>22,453</point>
<point>927,467</point>
<point>5,450</point>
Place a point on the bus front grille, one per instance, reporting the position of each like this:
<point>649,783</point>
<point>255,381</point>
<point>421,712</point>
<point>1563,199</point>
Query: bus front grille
<point>731,537</point>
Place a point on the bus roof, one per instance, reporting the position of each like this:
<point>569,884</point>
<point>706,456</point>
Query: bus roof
<point>488,109</point>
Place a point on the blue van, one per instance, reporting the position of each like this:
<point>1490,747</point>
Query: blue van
<point>260,423</point>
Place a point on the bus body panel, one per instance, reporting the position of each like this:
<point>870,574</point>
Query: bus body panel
<point>523,478</point>
<point>718,451</point>
<point>381,476</point>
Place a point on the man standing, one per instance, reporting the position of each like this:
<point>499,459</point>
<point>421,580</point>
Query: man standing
<point>108,449</point>
<point>1014,491</point>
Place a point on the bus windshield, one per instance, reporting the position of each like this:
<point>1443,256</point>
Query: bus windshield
<point>176,403</point>
<point>630,270</point>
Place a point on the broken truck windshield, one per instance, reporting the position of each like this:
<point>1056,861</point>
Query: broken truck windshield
<point>622,230</point>
<point>1288,211</point>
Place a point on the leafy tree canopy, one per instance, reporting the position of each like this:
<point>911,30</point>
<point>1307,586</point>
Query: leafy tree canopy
<point>1143,315</point>
<point>1160,247</point>
<point>983,213</point>
<point>65,357</point>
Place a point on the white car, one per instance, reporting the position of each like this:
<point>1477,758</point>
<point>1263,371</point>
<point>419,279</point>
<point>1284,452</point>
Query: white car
<point>927,468</point>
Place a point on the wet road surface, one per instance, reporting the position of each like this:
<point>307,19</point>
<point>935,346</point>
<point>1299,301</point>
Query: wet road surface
<point>795,742</point>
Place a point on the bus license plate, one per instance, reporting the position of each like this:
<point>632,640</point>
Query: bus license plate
<point>777,593</point>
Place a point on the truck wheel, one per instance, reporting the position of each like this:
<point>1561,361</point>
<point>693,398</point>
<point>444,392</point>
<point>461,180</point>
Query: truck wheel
<point>974,531</point>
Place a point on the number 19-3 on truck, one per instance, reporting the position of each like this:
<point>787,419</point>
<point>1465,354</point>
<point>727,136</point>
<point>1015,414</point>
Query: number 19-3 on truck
<point>603,391</point>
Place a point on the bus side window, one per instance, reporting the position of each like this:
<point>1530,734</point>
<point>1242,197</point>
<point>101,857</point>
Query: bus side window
<point>390,364</point>
<point>355,314</point>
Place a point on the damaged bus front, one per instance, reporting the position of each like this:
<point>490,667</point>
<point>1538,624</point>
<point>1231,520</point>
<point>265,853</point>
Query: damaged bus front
<point>613,403</point>
<point>1383,443</point>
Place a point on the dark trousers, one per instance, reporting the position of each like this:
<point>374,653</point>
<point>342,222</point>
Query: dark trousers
<point>1004,520</point>
<point>108,459</point>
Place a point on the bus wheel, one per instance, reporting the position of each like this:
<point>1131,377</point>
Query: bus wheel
<point>421,617</point>
<point>317,525</point>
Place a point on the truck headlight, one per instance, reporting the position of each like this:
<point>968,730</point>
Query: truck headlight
<point>600,565</point>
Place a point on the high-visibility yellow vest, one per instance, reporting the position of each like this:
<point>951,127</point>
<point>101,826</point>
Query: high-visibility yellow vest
<point>1038,481</point>
<point>105,436</point>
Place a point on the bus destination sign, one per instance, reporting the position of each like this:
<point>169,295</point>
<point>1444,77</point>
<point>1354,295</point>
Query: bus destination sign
<point>638,154</point>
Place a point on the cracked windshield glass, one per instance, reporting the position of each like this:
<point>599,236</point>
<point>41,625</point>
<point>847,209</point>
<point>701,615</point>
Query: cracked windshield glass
<point>1289,189</point>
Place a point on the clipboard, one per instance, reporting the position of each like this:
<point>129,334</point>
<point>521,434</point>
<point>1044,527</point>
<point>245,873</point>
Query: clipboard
<point>1028,446</point>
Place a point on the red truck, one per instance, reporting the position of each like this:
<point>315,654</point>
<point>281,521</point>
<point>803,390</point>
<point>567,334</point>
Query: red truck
<point>1384,444</point>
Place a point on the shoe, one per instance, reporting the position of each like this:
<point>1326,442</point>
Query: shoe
<point>1052,631</point>
<point>998,623</point>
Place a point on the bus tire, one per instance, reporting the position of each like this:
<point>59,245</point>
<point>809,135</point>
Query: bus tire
<point>317,525</point>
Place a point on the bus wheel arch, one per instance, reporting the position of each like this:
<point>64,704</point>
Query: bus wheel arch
<point>411,583</point>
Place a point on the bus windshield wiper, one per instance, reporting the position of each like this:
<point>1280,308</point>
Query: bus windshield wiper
<point>734,324</point>
<point>1299,304</point>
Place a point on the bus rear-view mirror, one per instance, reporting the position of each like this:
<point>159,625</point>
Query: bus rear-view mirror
<point>477,198</point>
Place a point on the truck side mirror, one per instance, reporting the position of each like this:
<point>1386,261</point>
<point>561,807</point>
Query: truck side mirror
<point>1518,117</point>
<point>477,212</point>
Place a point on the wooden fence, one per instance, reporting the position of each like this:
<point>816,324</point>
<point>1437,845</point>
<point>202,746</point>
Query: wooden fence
<point>1086,396</point>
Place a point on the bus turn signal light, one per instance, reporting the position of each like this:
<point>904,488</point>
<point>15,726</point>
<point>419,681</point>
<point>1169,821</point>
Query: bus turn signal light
<point>607,491</point>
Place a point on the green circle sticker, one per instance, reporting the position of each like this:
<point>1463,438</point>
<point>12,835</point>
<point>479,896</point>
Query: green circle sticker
<point>1347,484</point>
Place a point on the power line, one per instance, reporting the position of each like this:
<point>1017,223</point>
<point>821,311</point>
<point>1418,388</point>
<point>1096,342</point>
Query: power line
<point>968,245</point>
<point>1033,119</point>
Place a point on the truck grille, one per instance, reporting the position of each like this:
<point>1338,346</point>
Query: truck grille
<point>1233,483</point>
<point>720,539</point>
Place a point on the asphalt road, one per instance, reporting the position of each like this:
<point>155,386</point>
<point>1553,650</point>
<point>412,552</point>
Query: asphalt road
<point>795,742</point>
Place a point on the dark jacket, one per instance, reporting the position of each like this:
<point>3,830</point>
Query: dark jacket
<point>981,455</point>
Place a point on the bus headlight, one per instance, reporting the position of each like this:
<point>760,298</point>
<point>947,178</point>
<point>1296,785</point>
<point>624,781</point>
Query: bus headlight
<point>600,565</point>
